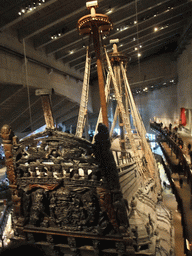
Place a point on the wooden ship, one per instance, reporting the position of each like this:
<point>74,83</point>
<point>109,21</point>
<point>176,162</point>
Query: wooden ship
<point>74,197</point>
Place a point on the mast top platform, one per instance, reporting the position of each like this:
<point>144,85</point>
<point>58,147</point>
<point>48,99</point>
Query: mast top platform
<point>116,56</point>
<point>88,22</point>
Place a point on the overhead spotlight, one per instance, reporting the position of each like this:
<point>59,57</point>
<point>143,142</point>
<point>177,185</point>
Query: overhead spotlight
<point>139,54</point>
<point>136,48</point>
<point>135,22</point>
<point>110,10</point>
<point>156,29</point>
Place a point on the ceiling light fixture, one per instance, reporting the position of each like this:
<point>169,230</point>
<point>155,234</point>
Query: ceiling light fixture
<point>110,10</point>
<point>31,7</point>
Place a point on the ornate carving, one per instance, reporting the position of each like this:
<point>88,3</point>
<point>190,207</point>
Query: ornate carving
<point>73,246</point>
<point>96,246</point>
<point>121,249</point>
<point>62,184</point>
<point>106,206</point>
<point>37,208</point>
<point>7,137</point>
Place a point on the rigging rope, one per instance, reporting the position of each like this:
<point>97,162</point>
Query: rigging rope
<point>27,84</point>
<point>84,98</point>
<point>125,118</point>
<point>138,46</point>
<point>107,92</point>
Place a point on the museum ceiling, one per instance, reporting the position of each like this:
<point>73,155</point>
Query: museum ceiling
<point>144,28</point>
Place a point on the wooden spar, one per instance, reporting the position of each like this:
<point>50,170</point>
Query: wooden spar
<point>46,104</point>
<point>100,75</point>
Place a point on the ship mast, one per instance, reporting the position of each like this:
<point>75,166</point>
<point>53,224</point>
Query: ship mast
<point>116,58</point>
<point>95,24</point>
<point>46,104</point>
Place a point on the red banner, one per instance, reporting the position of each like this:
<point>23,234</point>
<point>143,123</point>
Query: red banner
<point>183,120</point>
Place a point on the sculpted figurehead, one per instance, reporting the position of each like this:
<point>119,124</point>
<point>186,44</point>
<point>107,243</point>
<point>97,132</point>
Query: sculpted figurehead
<point>6,132</point>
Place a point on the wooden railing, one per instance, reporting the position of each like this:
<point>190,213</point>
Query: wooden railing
<point>122,157</point>
<point>176,150</point>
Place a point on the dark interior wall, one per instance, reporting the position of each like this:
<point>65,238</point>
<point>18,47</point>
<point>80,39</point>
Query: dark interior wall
<point>159,104</point>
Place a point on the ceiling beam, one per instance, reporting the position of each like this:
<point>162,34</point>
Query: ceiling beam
<point>142,26</point>
<point>146,48</point>
<point>52,49</point>
<point>11,96</point>
<point>43,24</point>
<point>12,5</point>
<point>21,18</point>
<point>23,112</point>
<point>168,35</point>
<point>186,33</point>
<point>142,40</point>
<point>64,109</point>
<point>38,117</point>
<point>71,114</point>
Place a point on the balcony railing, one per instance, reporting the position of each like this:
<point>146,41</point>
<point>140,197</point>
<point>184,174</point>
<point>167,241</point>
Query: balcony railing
<point>176,150</point>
